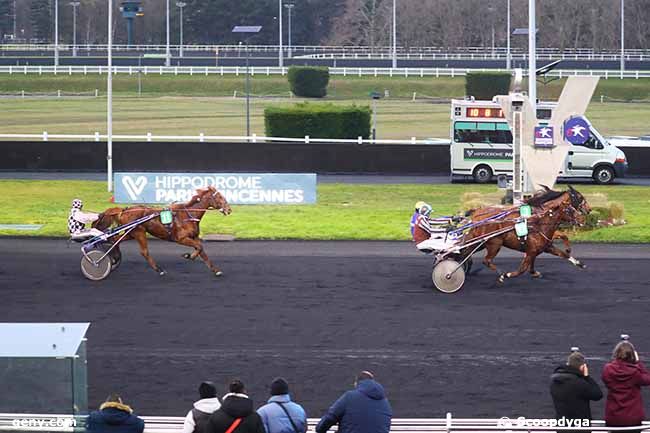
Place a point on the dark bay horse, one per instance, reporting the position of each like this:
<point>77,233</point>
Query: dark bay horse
<point>550,209</point>
<point>184,228</point>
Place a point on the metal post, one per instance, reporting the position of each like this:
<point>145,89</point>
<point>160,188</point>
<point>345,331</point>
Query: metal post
<point>622,38</point>
<point>508,60</point>
<point>15,29</point>
<point>532,60</point>
<point>109,108</point>
<point>492,41</point>
<point>168,58</point>
<point>280,53</point>
<point>181,5</point>
<point>374,119</point>
<point>140,75</point>
<point>289,7</point>
<point>56,32</point>
<point>394,34</point>
<point>248,95</point>
<point>74,5</point>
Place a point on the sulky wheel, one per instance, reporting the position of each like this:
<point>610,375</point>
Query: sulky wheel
<point>100,269</point>
<point>115,254</point>
<point>448,276</point>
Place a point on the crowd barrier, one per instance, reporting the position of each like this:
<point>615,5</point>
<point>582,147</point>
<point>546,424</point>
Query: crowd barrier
<point>160,424</point>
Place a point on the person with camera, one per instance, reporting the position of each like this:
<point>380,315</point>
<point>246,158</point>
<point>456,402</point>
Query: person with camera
<point>624,376</point>
<point>572,389</point>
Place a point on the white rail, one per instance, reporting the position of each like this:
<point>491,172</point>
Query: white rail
<point>159,424</point>
<point>274,70</point>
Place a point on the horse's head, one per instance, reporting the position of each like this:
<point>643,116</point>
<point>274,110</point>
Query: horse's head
<point>578,201</point>
<point>215,200</point>
<point>572,216</point>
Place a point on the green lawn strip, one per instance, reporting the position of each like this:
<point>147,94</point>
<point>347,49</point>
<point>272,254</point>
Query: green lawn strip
<point>362,212</point>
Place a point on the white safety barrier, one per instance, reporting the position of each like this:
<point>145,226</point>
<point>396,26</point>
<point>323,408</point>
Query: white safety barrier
<point>274,70</point>
<point>161,424</point>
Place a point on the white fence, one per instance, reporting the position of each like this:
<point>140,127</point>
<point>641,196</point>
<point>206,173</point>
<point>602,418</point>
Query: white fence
<point>274,70</point>
<point>159,424</point>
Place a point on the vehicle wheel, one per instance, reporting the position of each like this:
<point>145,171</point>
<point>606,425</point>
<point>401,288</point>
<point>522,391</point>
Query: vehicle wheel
<point>99,271</point>
<point>603,175</point>
<point>447,276</point>
<point>115,255</point>
<point>467,266</point>
<point>482,174</point>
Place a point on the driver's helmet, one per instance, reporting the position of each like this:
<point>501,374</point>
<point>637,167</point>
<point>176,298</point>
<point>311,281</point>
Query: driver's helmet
<point>425,209</point>
<point>77,204</point>
<point>418,205</point>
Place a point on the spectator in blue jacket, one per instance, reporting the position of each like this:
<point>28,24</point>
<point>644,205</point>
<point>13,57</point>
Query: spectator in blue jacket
<point>280,414</point>
<point>114,416</point>
<point>362,410</point>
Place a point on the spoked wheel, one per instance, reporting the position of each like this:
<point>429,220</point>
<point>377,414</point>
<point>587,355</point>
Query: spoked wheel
<point>448,276</point>
<point>95,271</point>
<point>115,255</point>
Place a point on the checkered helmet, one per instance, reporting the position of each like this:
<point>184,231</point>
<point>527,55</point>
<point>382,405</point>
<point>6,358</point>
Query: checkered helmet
<point>77,203</point>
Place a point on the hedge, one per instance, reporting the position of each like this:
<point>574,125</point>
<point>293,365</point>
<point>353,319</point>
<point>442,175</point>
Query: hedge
<point>317,121</point>
<point>309,81</point>
<point>486,85</point>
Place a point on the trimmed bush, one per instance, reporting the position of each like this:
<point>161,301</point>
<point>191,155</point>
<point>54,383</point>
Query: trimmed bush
<point>317,121</point>
<point>486,85</point>
<point>309,81</point>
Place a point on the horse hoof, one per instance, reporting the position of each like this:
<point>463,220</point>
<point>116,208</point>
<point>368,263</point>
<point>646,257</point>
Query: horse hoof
<point>501,279</point>
<point>162,272</point>
<point>536,274</point>
<point>218,274</point>
<point>187,256</point>
<point>582,266</point>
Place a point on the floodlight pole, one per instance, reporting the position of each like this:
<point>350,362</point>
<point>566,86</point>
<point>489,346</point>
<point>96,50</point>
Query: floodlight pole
<point>248,94</point>
<point>181,5</point>
<point>622,38</point>
<point>508,59</point>
<point>74,5</point>
<point>280,53</point>
<point>168,53</point>
<point>394,34</point>
<point>56,33</point>
<point>532,60</point>
<point>289,7</point>
<point>109,108</point>
<point>15,29</point>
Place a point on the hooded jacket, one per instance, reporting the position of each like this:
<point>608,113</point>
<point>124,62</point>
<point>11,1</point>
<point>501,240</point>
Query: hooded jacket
<point>624,406</point>
<point>114,417</point>
<point>572,392</point>
<point>275,419</point>
<point>362,410</point>
<point>235,406</point>
<point>205,407</point>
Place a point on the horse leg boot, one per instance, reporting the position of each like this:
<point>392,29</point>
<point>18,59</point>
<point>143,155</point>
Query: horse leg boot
<point>141,237</point>
<point>198,250</point>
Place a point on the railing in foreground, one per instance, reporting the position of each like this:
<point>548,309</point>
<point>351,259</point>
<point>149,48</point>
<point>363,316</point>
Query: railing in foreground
<point>274,70</point>
<point>45,136</point>
<point>159,424</point>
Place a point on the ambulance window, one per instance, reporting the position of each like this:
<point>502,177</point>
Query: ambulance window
<point>482,132</point>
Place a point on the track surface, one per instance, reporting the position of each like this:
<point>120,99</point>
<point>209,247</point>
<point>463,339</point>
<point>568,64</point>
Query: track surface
<point>317,312</point>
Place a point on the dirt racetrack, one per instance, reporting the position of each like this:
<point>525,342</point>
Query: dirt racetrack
<point>317,312</point>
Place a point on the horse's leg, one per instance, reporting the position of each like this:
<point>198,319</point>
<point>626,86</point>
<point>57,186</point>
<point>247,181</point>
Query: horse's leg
<point>141,237</point>
<point>533,272</point>
<point>198,250</point>
<point>565,240</point>
<point>552,249</point>
<point>493,246</point>
<point>525,265</point>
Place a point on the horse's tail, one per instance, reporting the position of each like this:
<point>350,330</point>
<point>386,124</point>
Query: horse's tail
<point>107,218</point>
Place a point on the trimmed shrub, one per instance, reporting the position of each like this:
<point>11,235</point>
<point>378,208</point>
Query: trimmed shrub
<point>318,121</point>
<point>309,81</point>
<point>486,85</point>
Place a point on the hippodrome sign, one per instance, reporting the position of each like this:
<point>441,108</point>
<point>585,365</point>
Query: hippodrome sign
<point>238,188</point>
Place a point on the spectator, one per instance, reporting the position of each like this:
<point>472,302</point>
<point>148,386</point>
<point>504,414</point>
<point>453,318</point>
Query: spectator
<point>236,413</point>
<point>197,419</point>
<point>572,389</point>
<point>280,414</point>
<point>624,376</point>
<point>114,416</point>
<point>362,410</point>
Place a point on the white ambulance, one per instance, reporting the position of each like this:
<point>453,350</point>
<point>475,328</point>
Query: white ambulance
<point>481,146</point>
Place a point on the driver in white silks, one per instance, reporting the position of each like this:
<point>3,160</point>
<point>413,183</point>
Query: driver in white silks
<point>78,219</point>
<point>430,234</point>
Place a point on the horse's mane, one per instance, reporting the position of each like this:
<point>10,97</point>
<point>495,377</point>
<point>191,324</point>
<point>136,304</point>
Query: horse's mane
<point>544,196</point>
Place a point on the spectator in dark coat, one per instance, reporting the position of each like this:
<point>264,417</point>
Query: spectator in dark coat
<point>236,413</point>
<point>114,416</point>
<point>197,419</point>
<point>572,389</point>
<point>624,376</point>
<point>362,410</point>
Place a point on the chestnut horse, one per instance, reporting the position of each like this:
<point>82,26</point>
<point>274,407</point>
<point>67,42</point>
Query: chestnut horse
<point>184,228</point>
<point>550,209</point>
